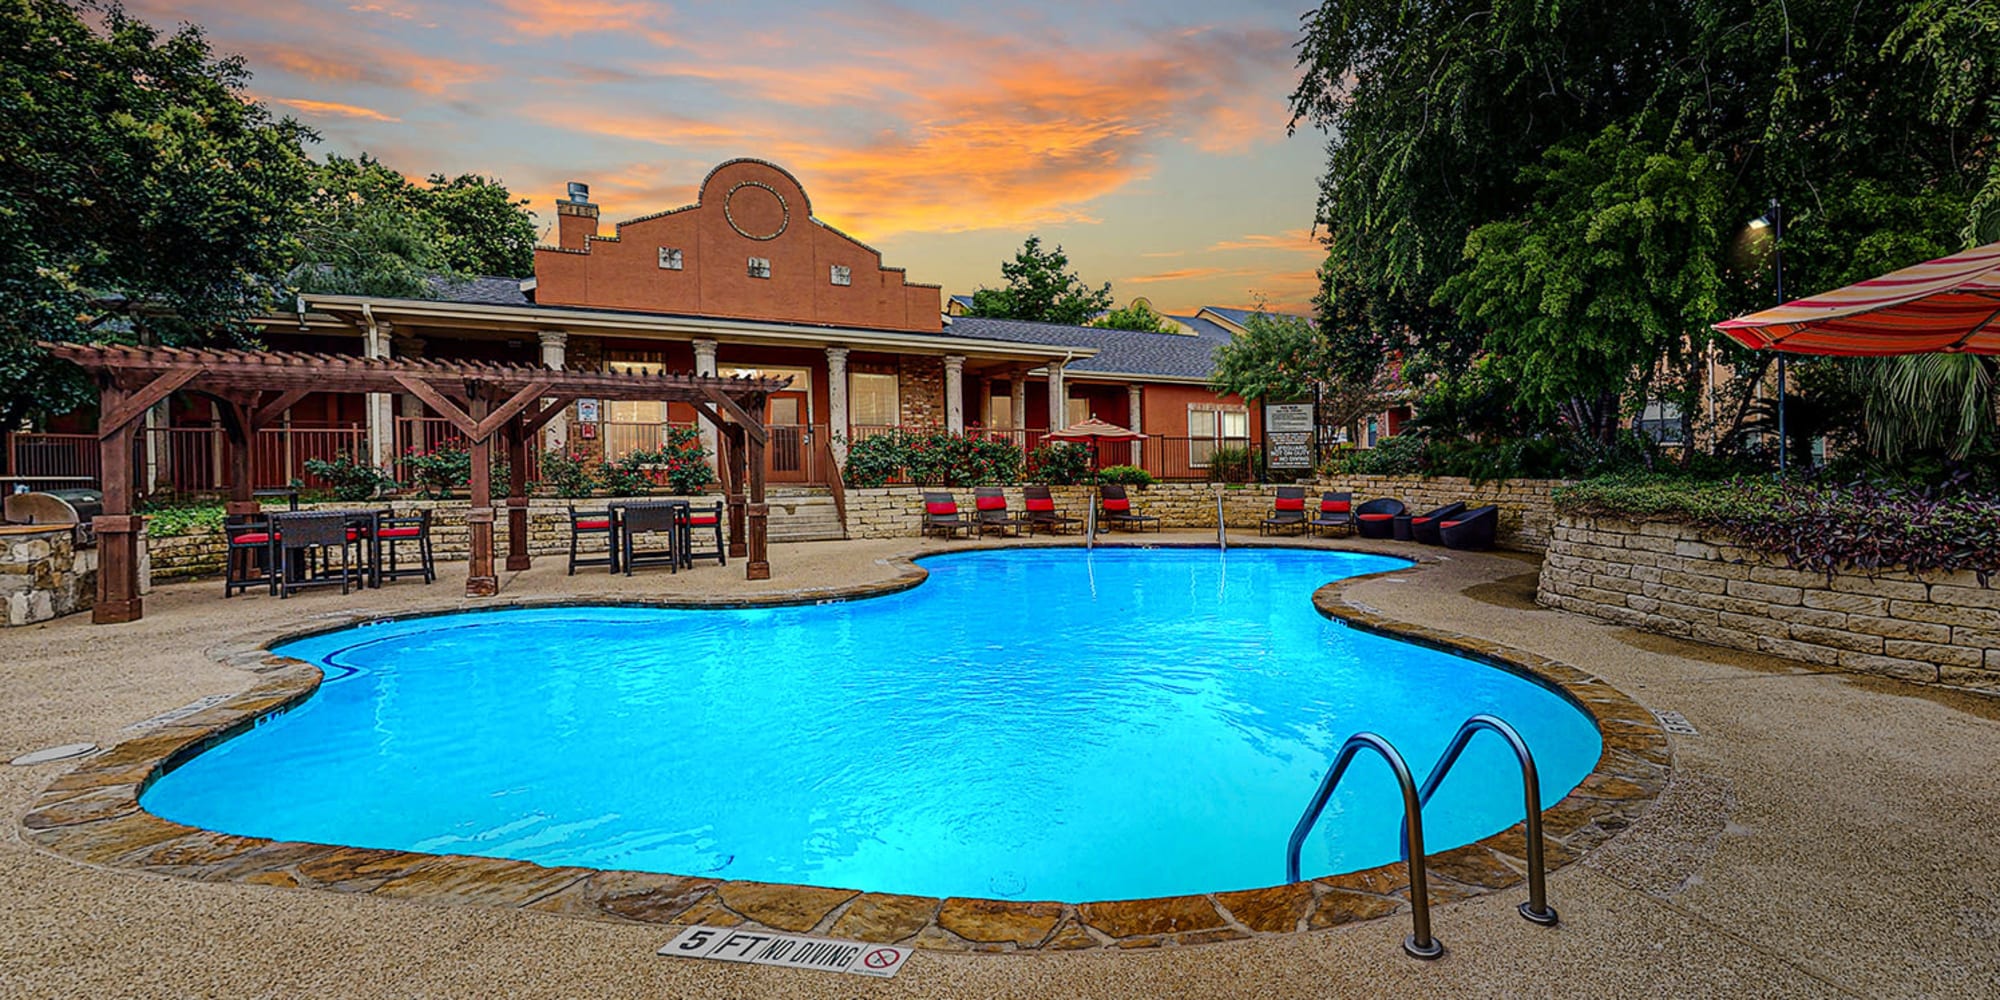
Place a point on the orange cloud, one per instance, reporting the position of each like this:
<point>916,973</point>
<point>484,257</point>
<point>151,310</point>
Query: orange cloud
<point>568,18</point>
<point>1192,273</point>
<point>398,70</point>
<point>1291,240</point>
<point>332,108</point>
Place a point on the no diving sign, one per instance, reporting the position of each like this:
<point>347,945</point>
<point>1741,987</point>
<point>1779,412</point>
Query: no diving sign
<point>789,950</point>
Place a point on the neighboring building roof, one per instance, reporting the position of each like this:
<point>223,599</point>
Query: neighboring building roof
<point>1238,317</point>
<point>482,291</point>
<point>1119,352</point>
<point>962,300</point>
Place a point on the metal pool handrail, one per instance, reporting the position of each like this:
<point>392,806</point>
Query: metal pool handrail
<point>1537,908</point>
<point>1420,943</point>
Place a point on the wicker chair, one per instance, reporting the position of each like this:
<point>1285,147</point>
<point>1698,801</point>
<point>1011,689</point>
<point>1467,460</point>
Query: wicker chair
<point>652,518</point>
<point>306,543</point>
<point>1424,528</point>
<point>1377,518</point>
<point>1472,529</point>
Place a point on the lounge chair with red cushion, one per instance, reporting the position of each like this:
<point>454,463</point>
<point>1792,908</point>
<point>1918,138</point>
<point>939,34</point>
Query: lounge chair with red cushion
<point>1115,509</point>
<point>941,516</point>
<point>591,522</point>
<point>991,503</point>
<point>1336,510</point>
<point>252,555</point>
<point>1288,511</point>
<point>1424,528</point>
<point>392,532</point>
<point>1042,512</point>
<point>1472,529</point>
<point>1377,518</point>
<point>706,522</point>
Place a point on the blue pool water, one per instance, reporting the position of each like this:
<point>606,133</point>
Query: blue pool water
<point>1033,724</point>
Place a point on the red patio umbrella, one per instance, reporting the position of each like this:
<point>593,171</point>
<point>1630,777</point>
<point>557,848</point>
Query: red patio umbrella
<point>1951,304</point>
<point>1094,431</point>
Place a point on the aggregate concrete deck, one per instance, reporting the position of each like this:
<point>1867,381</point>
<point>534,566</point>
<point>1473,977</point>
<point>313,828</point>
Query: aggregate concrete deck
<point>1824,835</point>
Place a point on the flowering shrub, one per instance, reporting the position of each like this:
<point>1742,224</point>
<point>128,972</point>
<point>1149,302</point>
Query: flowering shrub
<point>935,458</point>
<point>1061,463</point>
<point>568,475</point>
<point>1816,525</point>
<point>438,471</point>
<point>350,478</point>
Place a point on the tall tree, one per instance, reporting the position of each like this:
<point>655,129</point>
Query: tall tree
<point>371,231</point>
<point>141,195</point>
<point>1283,359</point>
<point>1041,287</point>
<point>1140,317</point>
<point>1469,163</point>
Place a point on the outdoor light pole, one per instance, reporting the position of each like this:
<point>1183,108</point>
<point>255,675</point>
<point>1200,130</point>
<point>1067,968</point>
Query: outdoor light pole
<point>1775,218</point>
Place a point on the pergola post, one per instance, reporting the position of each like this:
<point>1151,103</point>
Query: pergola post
<point>759,566</point>
<point>238,429</point>
<point>517,497</point>
<point>117,527</point>
<point>737,452</point>
<point>480,580</point>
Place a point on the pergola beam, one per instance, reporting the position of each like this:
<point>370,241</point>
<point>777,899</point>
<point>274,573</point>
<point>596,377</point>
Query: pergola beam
<point>112,420</point>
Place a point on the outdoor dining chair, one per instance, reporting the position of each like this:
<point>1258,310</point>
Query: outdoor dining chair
<point>592,523</point>
<point>390,533</point>
<point>661,518</point>
<point>702,520</point>
<point>307,543</point>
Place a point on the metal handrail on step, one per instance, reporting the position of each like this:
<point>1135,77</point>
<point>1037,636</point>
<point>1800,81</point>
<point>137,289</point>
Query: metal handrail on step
<point>1420,943</point>
<point>1537,908</point>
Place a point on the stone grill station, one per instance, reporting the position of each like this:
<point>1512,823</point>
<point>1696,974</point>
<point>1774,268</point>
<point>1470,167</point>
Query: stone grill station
<point>48,555</point>
<point>490,404</point>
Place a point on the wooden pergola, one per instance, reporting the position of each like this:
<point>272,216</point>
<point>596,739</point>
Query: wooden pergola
<point>483,401</point>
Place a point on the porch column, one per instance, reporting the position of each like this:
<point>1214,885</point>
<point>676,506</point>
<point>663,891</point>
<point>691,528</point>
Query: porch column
<point>954,393</point>
<point>379,416</point>
<point>555,345</point>
<point>704,364</point>
<point>1134,418</point>
<point>1058,398</point>
<point>836,404</point>
<point>1017,410</point>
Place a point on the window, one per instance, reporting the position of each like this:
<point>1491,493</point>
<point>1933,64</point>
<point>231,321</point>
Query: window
<point>1076,412</point>
<point>635,411</point>
<point>760,267</point>
<point>842,275</point>
<point>1210,426</point>
<point>1661,422</point>
<point>872,400</point>
<point>1003,410</point>
<point>670,258</point>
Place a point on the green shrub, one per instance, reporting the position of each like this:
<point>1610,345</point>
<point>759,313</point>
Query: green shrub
<point>440,470</point>
<point>1059,463</point>
<point>680,464</point>
<point>1397,455</point>
<point>874,461</point>
<point>1229,463</point>
<point>172,517</point>
<point>568,475</point>
<point>931,458</point>
<point>349,478</point>
<point>1127,475</point>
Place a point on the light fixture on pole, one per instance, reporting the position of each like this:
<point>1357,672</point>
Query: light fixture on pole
<point>1773,219</point>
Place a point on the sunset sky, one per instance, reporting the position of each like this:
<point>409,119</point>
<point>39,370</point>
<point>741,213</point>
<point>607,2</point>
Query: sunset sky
<point>1146,138</point>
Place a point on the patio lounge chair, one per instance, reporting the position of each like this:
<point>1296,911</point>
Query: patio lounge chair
<point>1288,511</point>
<point>1377,518</point>
<point>1115,508</point>
<point>1472,529</point>
<point>941,515</point>
<point>1336,510</point>
<point>993,514</point>
<point>1424,528</point>
<point>391,532</point>
<point>1042,512</point>
<point>592,522</point>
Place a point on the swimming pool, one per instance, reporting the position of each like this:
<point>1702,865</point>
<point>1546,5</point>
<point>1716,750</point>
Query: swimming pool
<point>1027,724</point>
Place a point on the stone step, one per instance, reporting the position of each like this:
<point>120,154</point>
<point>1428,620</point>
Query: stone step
<point>803,514</point>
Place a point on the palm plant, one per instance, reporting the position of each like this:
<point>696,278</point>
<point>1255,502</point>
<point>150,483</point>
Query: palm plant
<point>1941,403</point>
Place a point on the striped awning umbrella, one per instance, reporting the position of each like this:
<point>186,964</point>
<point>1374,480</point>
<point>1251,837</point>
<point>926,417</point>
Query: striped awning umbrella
<point>1951,304</point>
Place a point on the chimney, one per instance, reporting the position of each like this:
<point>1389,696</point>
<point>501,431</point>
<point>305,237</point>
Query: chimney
<point>576,218</point>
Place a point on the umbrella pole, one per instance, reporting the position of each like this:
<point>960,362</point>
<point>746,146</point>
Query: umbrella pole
<point>1783,438</point>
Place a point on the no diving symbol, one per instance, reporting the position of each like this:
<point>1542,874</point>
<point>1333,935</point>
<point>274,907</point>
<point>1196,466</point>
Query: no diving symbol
<point>881,958</point>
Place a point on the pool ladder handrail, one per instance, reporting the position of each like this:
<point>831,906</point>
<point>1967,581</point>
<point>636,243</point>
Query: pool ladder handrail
<point>1536,909</point>
<point>1420,943</point>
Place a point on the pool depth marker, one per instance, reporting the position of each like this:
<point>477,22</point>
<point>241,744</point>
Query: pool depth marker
<point>792,951</point>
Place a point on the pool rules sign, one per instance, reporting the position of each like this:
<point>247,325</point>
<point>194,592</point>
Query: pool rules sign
<point>1288,435</point>
<point>730,944</point>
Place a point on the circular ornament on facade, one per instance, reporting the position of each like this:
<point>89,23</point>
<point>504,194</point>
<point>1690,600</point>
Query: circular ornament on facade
<point>756,210</point>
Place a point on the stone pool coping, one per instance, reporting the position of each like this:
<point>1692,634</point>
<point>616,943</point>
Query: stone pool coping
<point>92,815</point>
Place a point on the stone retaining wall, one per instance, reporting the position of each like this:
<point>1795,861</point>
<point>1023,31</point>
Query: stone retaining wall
<point>1526,508</point>
<point>44,575</point>
<point>1676,579</point>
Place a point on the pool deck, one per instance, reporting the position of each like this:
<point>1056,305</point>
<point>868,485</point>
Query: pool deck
<point>1823,835</point>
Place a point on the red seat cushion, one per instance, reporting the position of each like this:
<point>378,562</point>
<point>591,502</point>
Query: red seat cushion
<point>1289,503</point>
<point>992,503</point>
<point>1420,520</point>
<point>704,521</point>
<point>941,508</point>
<point>350,534</point>
<point>1040,506</point>
<point>250,538</point>
<point>1451,524</point>
<point>1334,506</point>
<point>594,524</point>
<point>398,533</point>
<point>1378,517</point>
<point>1117,505</point>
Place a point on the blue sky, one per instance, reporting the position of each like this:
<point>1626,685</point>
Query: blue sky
<point>1148,139</point>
